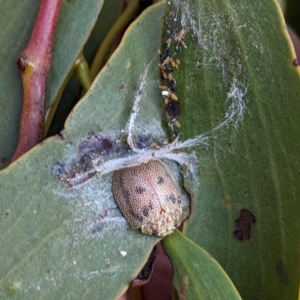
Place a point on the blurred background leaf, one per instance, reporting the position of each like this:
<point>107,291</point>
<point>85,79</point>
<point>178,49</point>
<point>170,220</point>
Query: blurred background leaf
<point>109,13</point>
<point>74,26</point>
<point>292,15</point>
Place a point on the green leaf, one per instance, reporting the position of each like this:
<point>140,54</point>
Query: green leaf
<point>239,92</point>
<point>74,26</point>
<point>61,242</point>
<point>197,275</point>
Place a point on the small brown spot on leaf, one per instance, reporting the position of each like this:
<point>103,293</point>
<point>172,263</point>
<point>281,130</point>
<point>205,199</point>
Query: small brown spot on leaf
<point>160,180</point>
<point>243,225</point>
<point>227,201</point>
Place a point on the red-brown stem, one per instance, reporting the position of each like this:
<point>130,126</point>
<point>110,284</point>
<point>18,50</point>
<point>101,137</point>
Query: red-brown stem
<point>34,63</point>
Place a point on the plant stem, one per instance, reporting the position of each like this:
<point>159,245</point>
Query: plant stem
<point>83,72</point>
<point>123,20</point>
<point>34,63</point>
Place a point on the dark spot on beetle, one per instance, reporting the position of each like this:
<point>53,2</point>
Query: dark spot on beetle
<point>139,190</point>
<point>146,210</point>
<point>126,195</point>
<point>171,198</point>
<point>173,109</point>
<point>282,273</point>
<point>295,62</point>
<point>160,180</point>
<point>243,225</point>
<point>140,217</point>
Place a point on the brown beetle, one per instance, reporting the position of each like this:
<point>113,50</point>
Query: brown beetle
<point>149,197</point>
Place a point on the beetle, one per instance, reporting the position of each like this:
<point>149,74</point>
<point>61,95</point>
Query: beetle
<point>149,197</point>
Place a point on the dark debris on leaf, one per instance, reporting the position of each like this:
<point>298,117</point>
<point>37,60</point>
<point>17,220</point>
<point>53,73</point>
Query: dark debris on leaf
<point>243,225</point>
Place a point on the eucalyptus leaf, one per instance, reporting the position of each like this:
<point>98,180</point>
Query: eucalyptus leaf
<point>75,23</point>
<point>71,242</point>
<point>238,87</point>
<point>197,275</point>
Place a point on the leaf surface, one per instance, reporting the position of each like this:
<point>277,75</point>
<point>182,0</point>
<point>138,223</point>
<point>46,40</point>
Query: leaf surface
<point>197,275</point>
<point>239,91</point>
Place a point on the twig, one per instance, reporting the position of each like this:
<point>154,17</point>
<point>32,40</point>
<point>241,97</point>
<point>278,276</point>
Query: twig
<point>123,20</point>
<point>34,63</point>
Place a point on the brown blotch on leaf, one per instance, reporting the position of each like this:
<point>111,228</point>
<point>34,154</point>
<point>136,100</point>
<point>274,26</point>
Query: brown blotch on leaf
<point>95,146</point>
<point>243,225</point>
<point>227,201</point>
